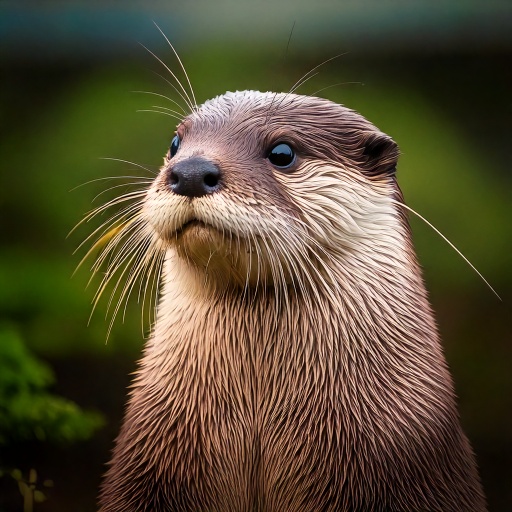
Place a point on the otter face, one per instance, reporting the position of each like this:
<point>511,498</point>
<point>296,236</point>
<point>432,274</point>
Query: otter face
<point>257,186</point>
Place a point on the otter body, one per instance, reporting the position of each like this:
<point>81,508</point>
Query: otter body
<point>295,364</point>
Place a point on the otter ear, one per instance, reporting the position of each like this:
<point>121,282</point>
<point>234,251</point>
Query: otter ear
<point>381,153</point>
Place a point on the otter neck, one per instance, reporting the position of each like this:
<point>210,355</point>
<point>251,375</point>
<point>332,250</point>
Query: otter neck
<point>383,312</point>
<point>354,371</point>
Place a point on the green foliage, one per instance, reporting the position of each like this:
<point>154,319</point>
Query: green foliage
<point>27,410</point>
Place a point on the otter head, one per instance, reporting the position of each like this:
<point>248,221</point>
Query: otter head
<point>257,187</point>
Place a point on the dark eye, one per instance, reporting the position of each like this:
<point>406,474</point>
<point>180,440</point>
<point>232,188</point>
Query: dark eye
<point>281,155</point>
<point>175,145</point>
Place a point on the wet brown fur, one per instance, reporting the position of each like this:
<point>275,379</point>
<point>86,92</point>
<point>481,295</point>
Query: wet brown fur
<point>295,364</point>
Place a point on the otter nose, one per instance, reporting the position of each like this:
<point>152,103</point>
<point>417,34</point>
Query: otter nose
<point>194,177</point>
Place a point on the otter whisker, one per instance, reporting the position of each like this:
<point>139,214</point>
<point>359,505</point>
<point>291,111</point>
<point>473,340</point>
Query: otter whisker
<point>308,240</point>
<point>134,194</point>
<point>294,270</point>
<point>143,179</point>
<point>115,219</point>
<point>96,211</point>
<point>141,269</point>
<point>159,112</point>
<point>113,223</point>
<point>127,196</point>
<point>146,274</point>
<point>269,110</point>
<point>260,260</point>
<point>276,260</point>
<point>326,287</point>
<point>124,255</point>
<point>111,272</point>
<point>282,256</point>
<point>106,279</point>
<point>238,256</point>
<point>185,98</point>
<point>181,65</point>
<point>140,166</point>
<point>280,283</point>
<point>293,221</point>
<point>289,40</point>
<point>166,109</point>
<point>260,257</point>
<point>307,76</point>
<point>449,243</point>
<point>131,264</point>
<point>185,113</point>
<point>132,228</point>
<point>207,265</point>
<point>110,223</point>
<point>140,253</point>
<point>157,251</point>
<point>301,82</point>
<point>170,84</point>
<point>155,286</point>
<point>333,85</point>
<point>102,241</point>
<point>145,182</point>
<point>303,265</point>
<point>295,86</point>
<point>237,252</point>
<point>144,267</point>
<point>126,235</point>
<point>248,270</point>
<point>253,247</point>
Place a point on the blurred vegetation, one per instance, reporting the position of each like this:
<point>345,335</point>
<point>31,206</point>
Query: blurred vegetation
<point>449,113</point>
<point>30,489</point>
<point>27,410</point>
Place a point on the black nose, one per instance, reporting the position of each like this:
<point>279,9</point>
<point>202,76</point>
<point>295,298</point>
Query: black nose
<point>194,177</point>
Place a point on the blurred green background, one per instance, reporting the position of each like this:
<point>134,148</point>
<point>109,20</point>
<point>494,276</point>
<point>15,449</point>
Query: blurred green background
<point>436,76</point>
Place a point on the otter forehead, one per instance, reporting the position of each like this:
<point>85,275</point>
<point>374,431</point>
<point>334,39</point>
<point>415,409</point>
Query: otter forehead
<point>256,110</point>
<point>247,123</point>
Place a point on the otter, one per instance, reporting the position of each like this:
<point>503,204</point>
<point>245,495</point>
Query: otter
<point>295,363</point>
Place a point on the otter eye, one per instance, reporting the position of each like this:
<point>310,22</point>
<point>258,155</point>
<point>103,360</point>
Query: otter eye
<point>281,155</point>
<point>175,145</point>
